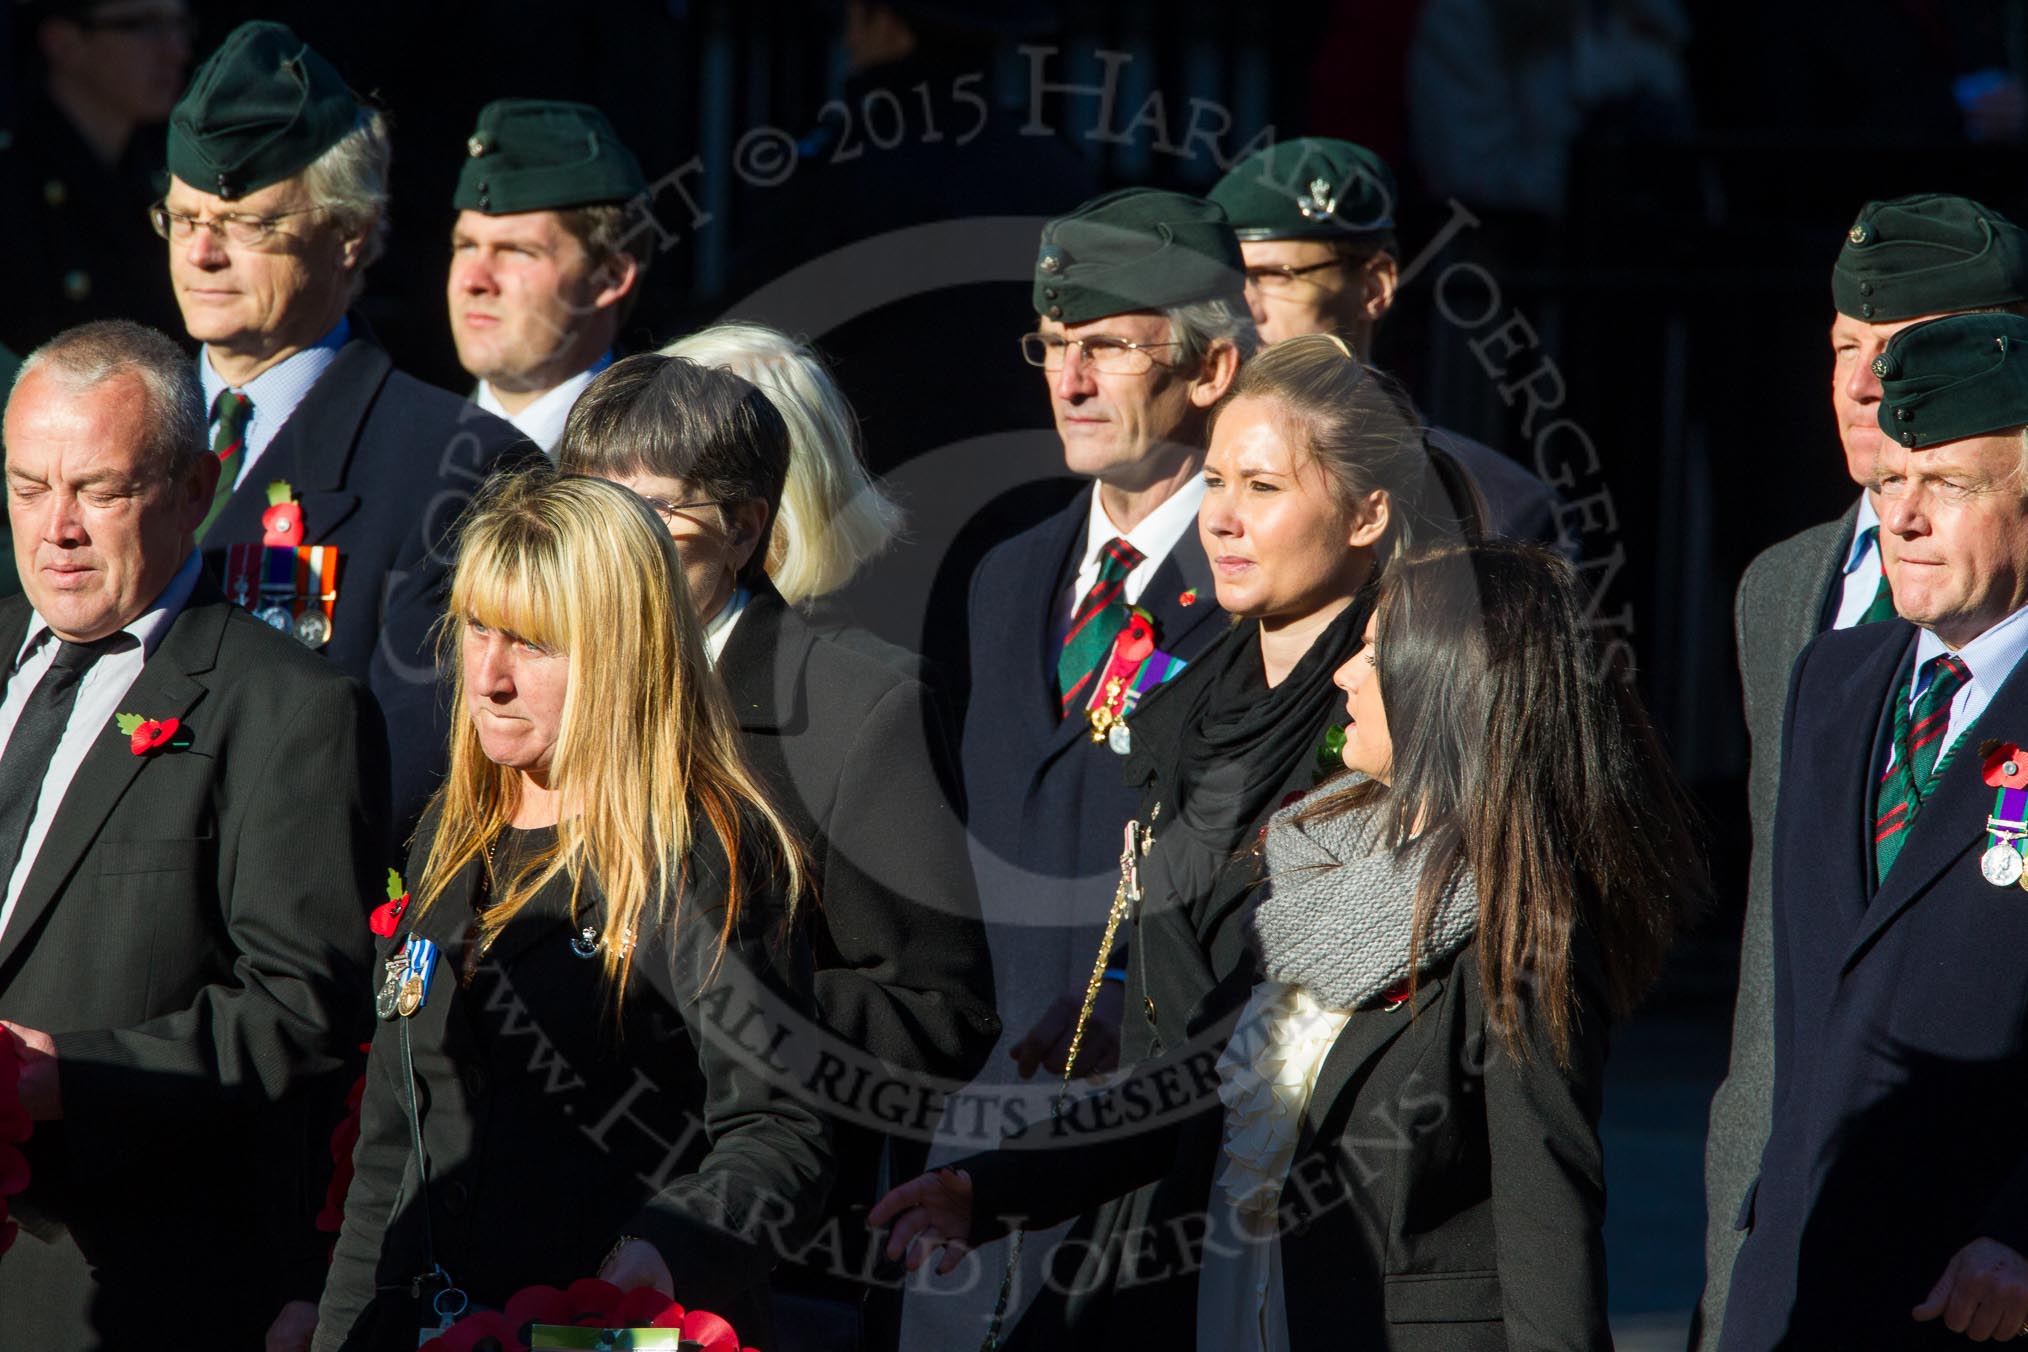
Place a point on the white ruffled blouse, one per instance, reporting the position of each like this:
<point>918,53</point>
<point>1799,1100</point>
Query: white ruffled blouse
<point>1265,1077</point>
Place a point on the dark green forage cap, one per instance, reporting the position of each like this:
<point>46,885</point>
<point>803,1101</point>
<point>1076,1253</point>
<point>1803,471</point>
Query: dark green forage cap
<point>1930,254</point>
<point>543,155</point>
<point>1956,377</point>
<point>1136,249</point>
<point>1311,188</point>
<point>259,109</point>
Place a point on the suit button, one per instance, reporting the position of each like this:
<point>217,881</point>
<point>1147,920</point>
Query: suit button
<point>456,1195</point>
<point>475,1081</point>
<point>1148,1003</point>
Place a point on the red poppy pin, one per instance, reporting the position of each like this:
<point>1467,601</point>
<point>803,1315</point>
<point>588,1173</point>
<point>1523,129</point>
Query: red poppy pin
<point>1188,598</point>
<point>1137,640</point>
<point>282,522</point>
<point>386,919</point>
<point>2007,767</point>
<point>146,736</point>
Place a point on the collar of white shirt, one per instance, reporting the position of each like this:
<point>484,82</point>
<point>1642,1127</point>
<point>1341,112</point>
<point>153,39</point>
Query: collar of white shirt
<point>1991,658</point>
<point>542,421</point>
<point>148,629</point>
<point>1155,536</point>
<point>718,629</point>
<point>276,391</point>
<point>1862,543</point>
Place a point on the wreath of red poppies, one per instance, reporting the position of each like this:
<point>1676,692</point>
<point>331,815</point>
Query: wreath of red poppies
<point>14,1129</point>
<point>588,1303</point>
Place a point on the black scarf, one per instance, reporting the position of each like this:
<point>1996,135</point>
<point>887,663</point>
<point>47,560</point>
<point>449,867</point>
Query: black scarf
<point>1237,744</point>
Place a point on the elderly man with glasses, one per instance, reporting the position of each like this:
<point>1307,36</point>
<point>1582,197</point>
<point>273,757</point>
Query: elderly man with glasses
<point>1316,222</point>
<point>1141,326</point>
<point>340,477</point>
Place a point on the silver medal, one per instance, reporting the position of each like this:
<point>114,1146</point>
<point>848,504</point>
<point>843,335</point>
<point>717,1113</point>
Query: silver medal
<point>2002,865</point>
<point>1120,739</point>
<point>390,990</point>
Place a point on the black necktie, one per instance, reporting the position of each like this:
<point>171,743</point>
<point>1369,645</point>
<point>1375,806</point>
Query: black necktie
<point>33,744</point>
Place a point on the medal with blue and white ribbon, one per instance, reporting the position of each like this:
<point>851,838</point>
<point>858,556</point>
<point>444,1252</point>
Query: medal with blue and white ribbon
<point>419,962</point>
<point>2005,831</point>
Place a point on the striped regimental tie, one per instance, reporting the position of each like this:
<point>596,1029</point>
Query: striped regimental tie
<point>1919,756</point>
<point>229,413</point>
<point>1098,621</point>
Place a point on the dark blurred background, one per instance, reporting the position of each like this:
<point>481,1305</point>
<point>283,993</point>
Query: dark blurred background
<point>1641,198</point>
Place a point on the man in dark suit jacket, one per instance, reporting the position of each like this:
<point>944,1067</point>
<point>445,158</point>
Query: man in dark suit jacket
<point>276,207</point>
<point>183,939</point>
<point>1902,261</point>
<point>1315,220</point>
<point>1892,1199</point>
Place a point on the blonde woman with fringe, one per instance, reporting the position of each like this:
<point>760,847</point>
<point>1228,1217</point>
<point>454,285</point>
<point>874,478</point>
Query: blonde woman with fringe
<point>608,895</point>
<point>835,517</point>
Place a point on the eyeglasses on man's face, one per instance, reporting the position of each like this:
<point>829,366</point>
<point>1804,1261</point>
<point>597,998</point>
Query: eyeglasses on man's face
<point>671,511</point>
<point>1108,356</point>
<point>249,232</point>
<point>1284,279</point>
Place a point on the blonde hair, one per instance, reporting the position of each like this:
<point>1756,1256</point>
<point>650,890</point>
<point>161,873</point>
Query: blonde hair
<point>834,515</point>
<point>648,743</point>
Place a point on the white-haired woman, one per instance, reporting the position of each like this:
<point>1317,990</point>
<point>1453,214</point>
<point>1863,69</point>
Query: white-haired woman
<point>835,516</point>
<point>597,881</point>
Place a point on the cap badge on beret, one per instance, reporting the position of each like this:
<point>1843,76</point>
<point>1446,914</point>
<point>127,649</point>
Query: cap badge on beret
<point>1880,367</point>
<point>476,147</point>
<point>1051,259</point>
<point>1857,234</point>
<point>1320,203</point>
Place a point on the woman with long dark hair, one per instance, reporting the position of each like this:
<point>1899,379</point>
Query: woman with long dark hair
<point>1405,1151</point>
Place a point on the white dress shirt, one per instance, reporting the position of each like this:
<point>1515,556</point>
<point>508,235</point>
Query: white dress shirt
<point>718,629</point>
<point>105,684</point>
<point>1155,537</point>
<point>542,421</point>
<point>275,392</point>
<point>1862,567</point>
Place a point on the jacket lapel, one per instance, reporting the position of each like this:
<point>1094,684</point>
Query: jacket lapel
<point>763,663</point>
<point>1365,1035</point>
<point>1057,553</point>
<point>1953,817</point>
<point>166,688</point>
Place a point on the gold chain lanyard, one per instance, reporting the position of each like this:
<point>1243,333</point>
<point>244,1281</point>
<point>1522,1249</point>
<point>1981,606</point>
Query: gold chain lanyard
<point>1126,896</point>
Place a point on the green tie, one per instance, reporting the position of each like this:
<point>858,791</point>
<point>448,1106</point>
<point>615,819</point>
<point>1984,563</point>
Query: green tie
<point>1919,756</point>
<point>1882,607</point>
<point>1100,617</point>
<point>229,411</point>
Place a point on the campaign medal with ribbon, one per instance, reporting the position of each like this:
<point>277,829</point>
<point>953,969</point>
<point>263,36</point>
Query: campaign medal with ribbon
<point>1134,667</point>
<point>2006,772</point>
<point>288,585</point>
<point>406,987</point>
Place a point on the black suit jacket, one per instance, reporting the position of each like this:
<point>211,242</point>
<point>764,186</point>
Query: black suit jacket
<point>852,746</point>
<point>551,1129</point>
<point>193,933</point>
<point>1901,1024</point>
<point>383,466</point>
<point>1045,803</point>
<point>1444,1196</point>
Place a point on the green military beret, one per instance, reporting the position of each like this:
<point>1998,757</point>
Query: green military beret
<point>258,110</point>
<point>543,155</point>
<point>1136,249</point>
<point>1956,377</point>
<point>1929,254</point>
<point>1311,188</point>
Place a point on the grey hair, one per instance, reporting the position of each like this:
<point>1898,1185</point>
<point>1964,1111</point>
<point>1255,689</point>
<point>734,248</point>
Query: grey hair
<point>349,181</point>
<point>90,354</point>
<point>1201,323</point>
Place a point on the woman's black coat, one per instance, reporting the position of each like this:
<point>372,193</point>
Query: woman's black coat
<point>550,1132</point>
<point>1445,1195</point>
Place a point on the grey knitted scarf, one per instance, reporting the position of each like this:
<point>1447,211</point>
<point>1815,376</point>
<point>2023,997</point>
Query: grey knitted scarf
<point>1340,906</point>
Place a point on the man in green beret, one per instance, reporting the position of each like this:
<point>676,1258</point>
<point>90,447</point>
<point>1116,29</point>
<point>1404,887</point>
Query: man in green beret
<point>277,206</point>
<point>1900,263</point>
<point>1891,1205</point>
<point>1141,326</point>
<point>547,257</point>
<point>1316,222</point>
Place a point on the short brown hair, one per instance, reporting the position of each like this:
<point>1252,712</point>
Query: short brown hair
<point>608,230</point>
